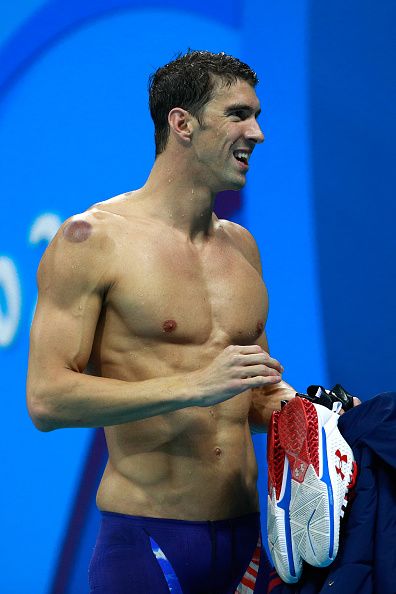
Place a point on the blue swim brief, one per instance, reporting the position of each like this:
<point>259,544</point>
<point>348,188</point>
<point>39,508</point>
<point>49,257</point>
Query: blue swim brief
<point>139,555</point>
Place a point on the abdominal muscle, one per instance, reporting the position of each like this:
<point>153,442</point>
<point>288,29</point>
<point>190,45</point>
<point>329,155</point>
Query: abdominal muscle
<point>192,464</point>
<point>196,463</point>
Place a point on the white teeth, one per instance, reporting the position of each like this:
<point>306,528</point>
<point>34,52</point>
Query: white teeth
<point>242,155</point>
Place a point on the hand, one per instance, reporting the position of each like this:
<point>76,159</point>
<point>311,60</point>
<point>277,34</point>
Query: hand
<point>356,402</point>
<point>234,370</point>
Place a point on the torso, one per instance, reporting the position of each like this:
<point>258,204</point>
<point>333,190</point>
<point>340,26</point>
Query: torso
<point>171,309</point>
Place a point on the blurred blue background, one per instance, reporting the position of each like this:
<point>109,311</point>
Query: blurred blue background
<point>319,200</point>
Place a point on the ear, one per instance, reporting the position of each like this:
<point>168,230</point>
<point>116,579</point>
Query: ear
<point>180,122</point>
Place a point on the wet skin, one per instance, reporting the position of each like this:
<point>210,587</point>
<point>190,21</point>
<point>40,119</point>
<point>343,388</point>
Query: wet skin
<point>172,310</point>
<point>148,287</point>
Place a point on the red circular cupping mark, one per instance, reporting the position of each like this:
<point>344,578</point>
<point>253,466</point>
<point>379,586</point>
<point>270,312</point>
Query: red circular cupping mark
<point>77,231</point>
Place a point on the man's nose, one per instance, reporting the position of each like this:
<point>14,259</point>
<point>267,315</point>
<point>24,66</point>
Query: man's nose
<point>255,133</point>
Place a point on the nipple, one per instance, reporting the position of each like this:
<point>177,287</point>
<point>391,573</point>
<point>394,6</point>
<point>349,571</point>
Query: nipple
<point>169,326</point>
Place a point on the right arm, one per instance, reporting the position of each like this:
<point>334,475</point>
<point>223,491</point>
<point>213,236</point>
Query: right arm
<point>73,278</point>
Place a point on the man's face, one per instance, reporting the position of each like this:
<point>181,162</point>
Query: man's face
<point>229,132</point>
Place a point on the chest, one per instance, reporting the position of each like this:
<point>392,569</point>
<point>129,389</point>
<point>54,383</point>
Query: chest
<point>178,294</point>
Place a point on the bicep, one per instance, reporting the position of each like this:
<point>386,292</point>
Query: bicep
<point>70,299</point>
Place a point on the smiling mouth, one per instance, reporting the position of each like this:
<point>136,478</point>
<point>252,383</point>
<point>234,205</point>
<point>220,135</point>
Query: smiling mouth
<point>242,157</point>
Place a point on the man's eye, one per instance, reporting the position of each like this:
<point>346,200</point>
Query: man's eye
<point>239,114</point>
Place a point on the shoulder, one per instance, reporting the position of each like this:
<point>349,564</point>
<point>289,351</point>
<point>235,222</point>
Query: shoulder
<point>91,231</point>
<point>243,241</point>
<point>96,227</point>
<point>82,248</point>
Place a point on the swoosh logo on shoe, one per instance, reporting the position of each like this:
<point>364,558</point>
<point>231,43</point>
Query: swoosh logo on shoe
<point>326,479</point>
<point>285,504</point>
<point>309,535</point>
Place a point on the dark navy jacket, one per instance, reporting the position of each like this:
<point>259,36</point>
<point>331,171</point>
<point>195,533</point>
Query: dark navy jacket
<point>366,560</point>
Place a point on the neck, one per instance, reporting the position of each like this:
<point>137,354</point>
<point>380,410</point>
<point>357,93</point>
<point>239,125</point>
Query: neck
<point>174,194</point>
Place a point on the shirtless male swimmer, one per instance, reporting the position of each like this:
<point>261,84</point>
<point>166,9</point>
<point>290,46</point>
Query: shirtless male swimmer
<point>165,305</point>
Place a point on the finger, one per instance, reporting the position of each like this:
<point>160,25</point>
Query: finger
<point>257,370</point>
<point>248,349</point>
<point>356,402</point>
<point>260,381</point>
<point>263,359</point>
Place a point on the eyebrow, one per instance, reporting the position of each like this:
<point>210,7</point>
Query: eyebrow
<point>241,107</point>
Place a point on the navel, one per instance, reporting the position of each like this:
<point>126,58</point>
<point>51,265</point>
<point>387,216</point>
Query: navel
<point>169,326</point>
<point>77,231</point>
<point>218,451</point>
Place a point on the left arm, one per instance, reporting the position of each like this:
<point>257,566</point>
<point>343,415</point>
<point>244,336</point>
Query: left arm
<point>266,399</point>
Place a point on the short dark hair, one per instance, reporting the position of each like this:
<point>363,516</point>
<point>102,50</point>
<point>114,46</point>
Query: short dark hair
<point>188,82</point>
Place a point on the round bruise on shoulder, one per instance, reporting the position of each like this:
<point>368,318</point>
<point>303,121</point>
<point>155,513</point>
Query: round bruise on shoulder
<point>260,327</point>
<point>77,231</point>
<point>169,326</point>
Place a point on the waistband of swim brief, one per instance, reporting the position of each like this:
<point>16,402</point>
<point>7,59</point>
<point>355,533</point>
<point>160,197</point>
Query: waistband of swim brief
<point>253,517</point>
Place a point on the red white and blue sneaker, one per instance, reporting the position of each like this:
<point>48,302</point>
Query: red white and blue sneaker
<point>310,469</point>
<point>283,549</point>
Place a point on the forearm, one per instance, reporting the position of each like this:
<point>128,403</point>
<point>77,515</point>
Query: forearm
<point>79,400</point>
<point>264,401</point>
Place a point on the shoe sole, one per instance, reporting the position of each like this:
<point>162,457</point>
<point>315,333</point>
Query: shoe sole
<point>285,557</point>
<point>321,463</point>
